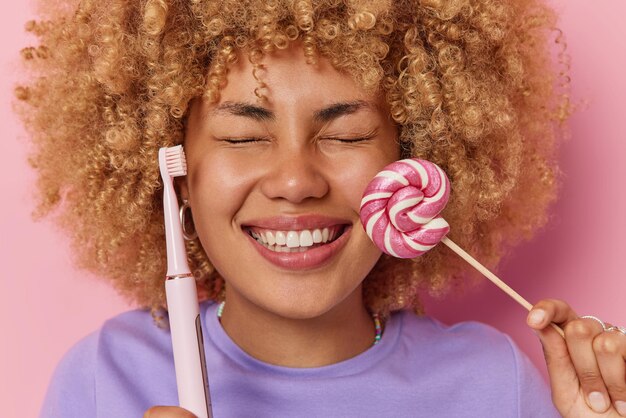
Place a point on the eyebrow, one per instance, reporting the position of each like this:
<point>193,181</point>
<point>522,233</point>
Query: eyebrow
<point>247,110</point>
<point>339,109</point>
<point>259,113</point>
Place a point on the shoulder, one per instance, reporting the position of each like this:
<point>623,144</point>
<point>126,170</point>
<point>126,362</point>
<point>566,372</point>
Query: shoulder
<point>473,339</point>
<point>113,356</point>
<point>72,387</point>
<point>133,330</point>
<point>487,360</point>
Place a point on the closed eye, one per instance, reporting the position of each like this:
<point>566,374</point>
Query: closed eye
<point>350,140</point>
<point>236,141</point>
<point>366,136</point>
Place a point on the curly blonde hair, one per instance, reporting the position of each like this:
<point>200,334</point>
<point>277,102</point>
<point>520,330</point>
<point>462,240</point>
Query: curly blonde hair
<point>469,82</point>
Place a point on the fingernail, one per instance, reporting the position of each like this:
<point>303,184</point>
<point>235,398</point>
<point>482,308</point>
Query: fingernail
<point>597,402</point>
<point>621,407</point>
<point>536,317</point>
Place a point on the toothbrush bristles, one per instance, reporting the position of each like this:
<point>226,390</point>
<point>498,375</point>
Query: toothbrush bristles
<point>175,159</point>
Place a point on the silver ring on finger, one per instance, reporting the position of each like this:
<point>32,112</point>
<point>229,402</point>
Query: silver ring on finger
<point>598,320</point>
<point>616,328</point>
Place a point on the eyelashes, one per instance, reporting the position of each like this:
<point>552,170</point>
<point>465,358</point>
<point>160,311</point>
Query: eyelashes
<point>235,141</point>
<point>351,140</point>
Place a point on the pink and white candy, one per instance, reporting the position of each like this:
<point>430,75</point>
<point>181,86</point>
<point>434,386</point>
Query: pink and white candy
<point>400,206</point>
<point>399,212</point>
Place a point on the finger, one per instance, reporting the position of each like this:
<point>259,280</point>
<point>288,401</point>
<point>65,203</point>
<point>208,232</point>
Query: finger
<point>610,349</point>
<point>167,412</point>
<point>579,335</point>
<point>550,310</point>
<point>563,379</point>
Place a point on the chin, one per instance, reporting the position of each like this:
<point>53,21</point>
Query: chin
<point>303,305</point>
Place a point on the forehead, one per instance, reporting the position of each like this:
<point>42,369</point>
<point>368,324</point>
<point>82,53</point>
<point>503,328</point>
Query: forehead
<point>285,78</point>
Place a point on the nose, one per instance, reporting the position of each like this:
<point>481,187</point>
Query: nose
<point>295,175</point>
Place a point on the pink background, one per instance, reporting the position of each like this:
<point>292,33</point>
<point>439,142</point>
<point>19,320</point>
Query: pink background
<point>46,305</point>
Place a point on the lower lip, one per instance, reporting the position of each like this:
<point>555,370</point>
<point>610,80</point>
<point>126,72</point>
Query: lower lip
<point>306,260</point>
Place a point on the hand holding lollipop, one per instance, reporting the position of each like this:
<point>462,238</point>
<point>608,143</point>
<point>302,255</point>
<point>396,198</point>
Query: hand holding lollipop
<point>399,212</point>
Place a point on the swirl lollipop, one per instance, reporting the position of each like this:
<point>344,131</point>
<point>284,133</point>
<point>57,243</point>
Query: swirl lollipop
<point>400,207</point>
<point>399,213</point>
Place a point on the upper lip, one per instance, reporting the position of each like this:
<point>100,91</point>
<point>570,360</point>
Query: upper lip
<point>290,223</point>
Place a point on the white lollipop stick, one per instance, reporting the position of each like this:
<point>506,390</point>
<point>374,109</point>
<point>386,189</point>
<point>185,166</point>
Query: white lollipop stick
<point>495,279</point>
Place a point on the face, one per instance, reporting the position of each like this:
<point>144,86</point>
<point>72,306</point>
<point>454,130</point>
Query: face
<point>275,186</point>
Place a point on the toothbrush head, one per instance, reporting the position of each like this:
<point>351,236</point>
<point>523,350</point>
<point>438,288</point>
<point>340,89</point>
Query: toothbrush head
<point>172,164</point>
<point>174,160</point>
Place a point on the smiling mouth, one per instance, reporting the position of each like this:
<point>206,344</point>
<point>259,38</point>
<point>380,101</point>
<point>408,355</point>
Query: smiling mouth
<point>295,241</point>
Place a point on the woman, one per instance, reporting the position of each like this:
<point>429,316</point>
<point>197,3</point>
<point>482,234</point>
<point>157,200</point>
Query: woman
<point>286,111</point>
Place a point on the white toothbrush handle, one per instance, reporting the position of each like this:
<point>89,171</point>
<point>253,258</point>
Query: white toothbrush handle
<point>188,345</point>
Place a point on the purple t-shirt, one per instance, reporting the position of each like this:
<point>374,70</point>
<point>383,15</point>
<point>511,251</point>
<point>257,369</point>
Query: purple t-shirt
<point>420,368</point>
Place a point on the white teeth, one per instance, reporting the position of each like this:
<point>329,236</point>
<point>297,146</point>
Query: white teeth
<point>281,239</point>
<point>317,236</point>
<point>295,241</point>
<point>306,239</point>
<point>292,239</point>
<point>271,240</point>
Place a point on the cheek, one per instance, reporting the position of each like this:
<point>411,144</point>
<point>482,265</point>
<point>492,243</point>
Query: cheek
<point>352,186</point>
<point>354,175</point>
<point>217,189</point>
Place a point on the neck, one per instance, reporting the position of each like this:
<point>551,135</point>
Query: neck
<point>339,334</point>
